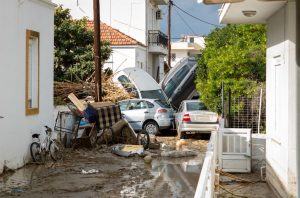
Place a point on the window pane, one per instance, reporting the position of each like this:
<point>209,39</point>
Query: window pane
<point>195,106</point>
<point>150,105</point>
<point>155,94</point>
<point>128,85</point>
<point>32,72</point>
<point>123,105</point>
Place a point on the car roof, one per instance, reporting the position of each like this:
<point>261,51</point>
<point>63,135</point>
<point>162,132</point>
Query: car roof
<point>141,79</point>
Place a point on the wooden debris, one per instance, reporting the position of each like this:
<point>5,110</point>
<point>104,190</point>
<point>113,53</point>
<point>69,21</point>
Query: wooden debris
<point>86,90</point>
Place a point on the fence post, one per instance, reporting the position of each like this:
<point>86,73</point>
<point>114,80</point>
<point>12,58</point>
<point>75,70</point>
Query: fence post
<point>229,108</point>
<point>222,92</point>
<point>259,111</point>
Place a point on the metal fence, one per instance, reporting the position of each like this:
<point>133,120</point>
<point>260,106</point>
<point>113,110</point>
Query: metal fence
<point>247,112</point>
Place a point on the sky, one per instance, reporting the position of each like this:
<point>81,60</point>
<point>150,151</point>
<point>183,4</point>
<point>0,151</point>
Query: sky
<point>179,19</point>
<point>181,22</point>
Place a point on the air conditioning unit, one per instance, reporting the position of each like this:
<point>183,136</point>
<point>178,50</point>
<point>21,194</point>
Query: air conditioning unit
<point>158,15</point>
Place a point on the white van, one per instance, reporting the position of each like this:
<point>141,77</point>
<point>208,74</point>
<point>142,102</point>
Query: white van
<point>140,83</point>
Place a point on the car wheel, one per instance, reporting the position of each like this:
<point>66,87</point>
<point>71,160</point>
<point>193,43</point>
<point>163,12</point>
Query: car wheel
<point>151,127</point>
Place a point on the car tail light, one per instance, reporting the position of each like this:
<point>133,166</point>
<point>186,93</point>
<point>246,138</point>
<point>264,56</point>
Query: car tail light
<point>162,111</point>
<point>186,118</point>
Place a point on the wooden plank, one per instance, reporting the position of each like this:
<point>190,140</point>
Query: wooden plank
<point>78,104</point>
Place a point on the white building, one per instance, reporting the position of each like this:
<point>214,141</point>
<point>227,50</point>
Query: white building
<point>139,19</point>
<point>187,46</point>
<point>26,76</point>
<point>282,79</point>
<point>126,51</point>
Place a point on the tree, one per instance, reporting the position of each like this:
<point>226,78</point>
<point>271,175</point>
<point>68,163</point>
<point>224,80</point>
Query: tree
<point>235,54</point>
<point>73,47</point>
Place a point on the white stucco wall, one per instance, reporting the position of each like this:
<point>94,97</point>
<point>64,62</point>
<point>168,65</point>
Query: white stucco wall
<point>180,54</point>
<point>16,128</point>
<point>126,56</point>
<point>281,97</point>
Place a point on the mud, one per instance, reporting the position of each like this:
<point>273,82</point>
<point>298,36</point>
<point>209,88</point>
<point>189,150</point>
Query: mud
<point>111,175</point>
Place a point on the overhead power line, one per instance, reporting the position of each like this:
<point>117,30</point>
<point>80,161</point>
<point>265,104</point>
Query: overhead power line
<point>185,22</point>
<point>203,21</point>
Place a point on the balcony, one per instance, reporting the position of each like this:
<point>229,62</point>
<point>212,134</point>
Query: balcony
<point>157,42</point>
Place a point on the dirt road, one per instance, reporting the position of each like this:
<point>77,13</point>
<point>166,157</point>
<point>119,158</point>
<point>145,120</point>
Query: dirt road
<point>111,175</point>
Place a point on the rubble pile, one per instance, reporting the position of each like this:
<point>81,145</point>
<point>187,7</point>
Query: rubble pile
<point>111,92</point>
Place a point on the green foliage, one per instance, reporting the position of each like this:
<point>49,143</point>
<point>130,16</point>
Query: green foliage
<point>73,50</point>
<point>235,54</point>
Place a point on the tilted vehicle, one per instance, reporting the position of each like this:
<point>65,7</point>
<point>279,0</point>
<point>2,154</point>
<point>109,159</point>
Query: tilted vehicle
<point>193,117</point>
<point>179,82</point>
<point>141,84</point>
<point>152,115</point>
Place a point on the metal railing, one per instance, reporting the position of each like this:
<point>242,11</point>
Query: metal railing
<point>206,183</point>
<point>156,37</point>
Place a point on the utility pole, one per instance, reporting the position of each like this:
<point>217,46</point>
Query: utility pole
<point>97,51</point>
<point>169,33</point>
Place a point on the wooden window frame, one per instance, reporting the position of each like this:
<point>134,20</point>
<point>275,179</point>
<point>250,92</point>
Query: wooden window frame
<point>32,111</point>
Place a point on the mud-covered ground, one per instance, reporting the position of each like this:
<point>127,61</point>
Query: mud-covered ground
<point>113,176</point>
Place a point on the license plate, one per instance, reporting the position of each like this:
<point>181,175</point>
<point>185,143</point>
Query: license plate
<point>190,132</point>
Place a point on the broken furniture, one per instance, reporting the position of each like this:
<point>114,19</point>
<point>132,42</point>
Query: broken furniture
<point>73,131</point>
<point>112,127</point>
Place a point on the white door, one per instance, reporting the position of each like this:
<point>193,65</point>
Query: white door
<point>235,150</point>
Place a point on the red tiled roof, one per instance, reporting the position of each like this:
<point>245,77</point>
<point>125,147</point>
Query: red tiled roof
<point>114,36</point>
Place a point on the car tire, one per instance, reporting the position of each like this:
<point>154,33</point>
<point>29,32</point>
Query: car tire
<point>151,127</point>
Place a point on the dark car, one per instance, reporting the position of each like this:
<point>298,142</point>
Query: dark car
<point>179,83</point>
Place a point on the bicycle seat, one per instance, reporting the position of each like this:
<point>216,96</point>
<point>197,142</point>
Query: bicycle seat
<point>36,135</point>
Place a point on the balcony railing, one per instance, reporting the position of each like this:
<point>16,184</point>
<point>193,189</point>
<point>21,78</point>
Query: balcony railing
<point>156,37</point>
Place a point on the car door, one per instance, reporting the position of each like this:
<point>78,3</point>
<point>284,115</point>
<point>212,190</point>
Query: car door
<point>135,113</point>
<point>151,111</point>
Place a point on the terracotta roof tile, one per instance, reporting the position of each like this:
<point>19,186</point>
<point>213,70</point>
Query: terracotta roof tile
<point>114,36</point>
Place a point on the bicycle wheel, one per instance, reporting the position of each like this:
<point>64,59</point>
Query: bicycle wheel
<point>143,139</point>
<point>35,151</point>
<point>56,150</point>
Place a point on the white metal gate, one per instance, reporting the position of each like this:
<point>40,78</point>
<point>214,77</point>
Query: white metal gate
<point>235,149</point>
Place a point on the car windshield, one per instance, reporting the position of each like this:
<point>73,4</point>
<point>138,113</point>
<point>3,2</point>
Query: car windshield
<point>155,94</point>
<point>195,106</point>
<point>128,85</point>
<point>170,87</point>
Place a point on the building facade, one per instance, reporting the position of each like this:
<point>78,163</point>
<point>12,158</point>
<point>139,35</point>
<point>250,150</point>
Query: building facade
<point>187,46</point>
<point>126,51</point>
<point>282,91</point>
<point>26,76</point>
<point>139,19</point>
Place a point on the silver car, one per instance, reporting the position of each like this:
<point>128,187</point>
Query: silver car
<point>152,115</point>
<point>193,117</point>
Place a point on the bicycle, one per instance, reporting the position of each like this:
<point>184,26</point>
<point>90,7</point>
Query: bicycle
<point>48,146</point>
